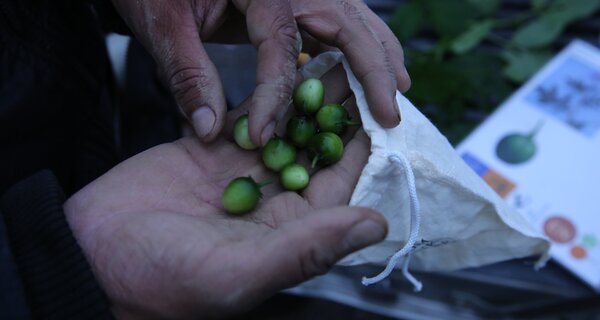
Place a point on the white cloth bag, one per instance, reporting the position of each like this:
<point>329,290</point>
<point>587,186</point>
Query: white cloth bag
<point>440,213</point>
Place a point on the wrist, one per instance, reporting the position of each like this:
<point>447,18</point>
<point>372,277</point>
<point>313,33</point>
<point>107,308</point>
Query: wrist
<point>56,277</point>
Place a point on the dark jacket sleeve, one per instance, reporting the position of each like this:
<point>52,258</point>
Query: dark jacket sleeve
<point>44,272</point>
<point>12,298</point>
<point>109,18</point>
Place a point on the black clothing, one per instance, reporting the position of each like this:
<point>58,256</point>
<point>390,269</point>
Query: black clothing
<point>55,93</point>
<point>55,276</point>
<point>56,113</point>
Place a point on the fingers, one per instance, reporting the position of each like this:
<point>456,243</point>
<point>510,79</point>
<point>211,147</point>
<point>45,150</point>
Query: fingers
<point>272,29</point>
<point>336,85</point>
<point>354,115</point>
<point>347,25</point>
<point>337,90</point>
<point>307,247</point>
<point>393,49</point>
<point>333,185</point>
<point>313,46</point>
<point>193,80</point>
<point>171,32</point>
<point>233,29</point>
<point>197,88</point>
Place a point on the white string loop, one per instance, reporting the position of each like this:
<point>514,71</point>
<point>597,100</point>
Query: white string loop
<point>415,222</point>
<point>417,285</point>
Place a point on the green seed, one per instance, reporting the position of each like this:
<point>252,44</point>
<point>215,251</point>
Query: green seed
<point>278,153</point>
<point>308,97</point>
<point>299,130</point>
<point>334,118</point>
<point>241,195</point>
<point>325,148</point>
<point>241,135</point>
<point>294,177</point>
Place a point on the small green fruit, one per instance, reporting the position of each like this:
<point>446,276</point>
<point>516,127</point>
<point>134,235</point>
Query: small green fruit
<point>334,118</point>
<point>241,135</point>
<point>294,177</point>
<point>299,130</point>
<point>325,148</point>
<point>241,195</point>
<point>278,153</point>
<point>308,97</point>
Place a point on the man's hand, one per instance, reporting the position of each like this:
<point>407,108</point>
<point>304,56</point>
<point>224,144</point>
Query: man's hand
<point>161,246</point>
<point>173,32</point>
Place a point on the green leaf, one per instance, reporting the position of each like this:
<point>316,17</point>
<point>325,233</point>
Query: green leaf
<point>485,86</point>
<point>522,65</point>
<point>433,82</point>
<point>539,4</point>
<point>569,10</point>
<point>472,37</point>
<point>550,24</point>
<point>450,18</point>
<point>486,7</point>
<point>407,20</point>
<point>440,49</point>
<point>538,33</point>
<point>452,91</point>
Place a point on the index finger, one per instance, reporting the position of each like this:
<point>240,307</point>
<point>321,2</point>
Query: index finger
<point>393,48</point>
<point>272,29</point>
<point>346,25</point>
<point>334,185</point>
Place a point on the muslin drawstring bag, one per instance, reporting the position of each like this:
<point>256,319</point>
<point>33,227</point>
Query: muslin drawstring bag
<point>441,215</point>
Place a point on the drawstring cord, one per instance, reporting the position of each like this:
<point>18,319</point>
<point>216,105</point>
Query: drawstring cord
<point>415,222</point>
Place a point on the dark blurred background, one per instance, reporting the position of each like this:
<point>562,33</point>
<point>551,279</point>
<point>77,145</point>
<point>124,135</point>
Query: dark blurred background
<point>465,57</point>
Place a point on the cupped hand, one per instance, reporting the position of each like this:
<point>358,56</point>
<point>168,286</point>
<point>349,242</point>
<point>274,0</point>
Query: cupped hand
<point>161,246</point>
<point>174,31</point>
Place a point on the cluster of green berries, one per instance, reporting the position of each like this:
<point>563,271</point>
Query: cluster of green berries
<point>316,128</point>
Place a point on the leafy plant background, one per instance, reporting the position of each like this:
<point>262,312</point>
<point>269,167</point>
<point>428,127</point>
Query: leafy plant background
<point>478,55</point>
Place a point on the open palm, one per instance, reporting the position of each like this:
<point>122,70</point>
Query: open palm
<point>161,245</point>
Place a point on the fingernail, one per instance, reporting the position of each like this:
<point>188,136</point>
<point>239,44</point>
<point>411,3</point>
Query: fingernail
<point>405,82</point>
<point>397,108</point>
<point>267,133</point>
<point>363,234</point>
<point>203,120</point>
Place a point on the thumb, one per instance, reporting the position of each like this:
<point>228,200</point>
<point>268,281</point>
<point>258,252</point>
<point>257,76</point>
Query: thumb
<point>194,82</point>
<point>310,246</point>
